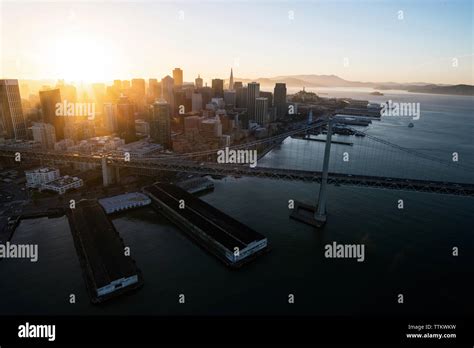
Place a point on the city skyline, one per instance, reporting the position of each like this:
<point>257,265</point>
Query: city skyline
<point>419,44</point>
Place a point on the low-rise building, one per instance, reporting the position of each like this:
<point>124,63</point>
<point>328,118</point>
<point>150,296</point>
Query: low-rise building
<point>63,184</point>
<point>37,177</point>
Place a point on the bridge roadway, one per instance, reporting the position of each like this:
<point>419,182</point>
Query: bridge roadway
<point>174,163</point>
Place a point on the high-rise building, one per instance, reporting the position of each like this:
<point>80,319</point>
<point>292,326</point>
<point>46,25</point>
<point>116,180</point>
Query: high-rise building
<point>154,89</point>
<point>196,102</point>
<point>231,80</point>
<point>178,76</point>
<point>198,82</point>
<point>253,92</point>
<point>49,99</point>
<point>44,133</point>
<point>280,100</point>
<point>261,110</point>
<point>160,123</point>
<point>206,95</point>
<point>269,96</point>
<point>218,88</point>
<point>110,117</point>
<point>137,92</point>
<point>167,86</point>
<point>229,97</point>
<point>12,121</point>
<point>126,119</point>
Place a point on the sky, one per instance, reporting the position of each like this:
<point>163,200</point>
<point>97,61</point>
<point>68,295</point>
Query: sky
<point>366,40</point>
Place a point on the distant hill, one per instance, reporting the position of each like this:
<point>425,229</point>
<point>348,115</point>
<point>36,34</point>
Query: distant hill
<point>336,81</point>
<point>434,89</point>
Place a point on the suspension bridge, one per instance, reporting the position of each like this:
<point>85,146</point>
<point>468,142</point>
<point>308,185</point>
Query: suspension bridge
<point>371,162</point>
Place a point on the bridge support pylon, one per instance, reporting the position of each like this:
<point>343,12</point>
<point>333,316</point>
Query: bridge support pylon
<point>311,215</point>
<point>320,214</point>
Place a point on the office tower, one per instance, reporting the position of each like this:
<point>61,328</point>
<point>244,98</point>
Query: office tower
<point>269,96</point>
<point>280,100</point>
<point>45,134</point>
<point>198,82</point>
<point>137,92</point>
<point>218,88</point>
<point>110,117</point>
<point>180,102</point>
<point>12,121</point>
<point>253,92</point>
<point>49,100</point>
<point>167,85</point>
<point>206,95</point>
<point>126,119</point>
<point>154,89</point>
<point>196,102</point>
<point>231,80</point>
<point>239,95</point>
<point>261,110</point>
<point>229,97</point>
<point>160,123</point>
<point>178,77</point>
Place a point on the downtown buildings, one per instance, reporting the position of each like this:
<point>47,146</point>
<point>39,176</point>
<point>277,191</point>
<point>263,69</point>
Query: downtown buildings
<point>12,121</point>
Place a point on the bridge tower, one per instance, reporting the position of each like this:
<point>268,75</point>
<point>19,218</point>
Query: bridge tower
<point>320,214</point>
<point>316,215</point>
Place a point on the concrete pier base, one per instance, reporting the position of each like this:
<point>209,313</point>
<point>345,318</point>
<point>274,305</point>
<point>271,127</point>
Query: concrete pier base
<point>306,213</point>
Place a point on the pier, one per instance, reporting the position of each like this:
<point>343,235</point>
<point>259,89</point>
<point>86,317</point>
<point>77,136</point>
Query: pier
<point>226,238</point>
<point>107,271</point>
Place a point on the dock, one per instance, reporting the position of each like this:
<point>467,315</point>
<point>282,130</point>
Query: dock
<point>107,271</point>
<point>226,238</point>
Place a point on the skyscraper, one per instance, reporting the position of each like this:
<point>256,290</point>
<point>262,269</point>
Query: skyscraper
<point>229,97</point>
<point>137,93</point>
<point>196,102</point>
<point>198,82</point>
<point>218,88</point>
<point>49,100</point>
<point>280,99</point>
<point>160,123</point>
<point>126,119</point>
<point>167,86</point>
<point>44,133</point>
<point>154,89</point>
<point>110,117</point>
<point>261,110</point>
<point>253,92</point>
<point>231,80</point>
<point>12,121</point>
<point>178,76</point>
